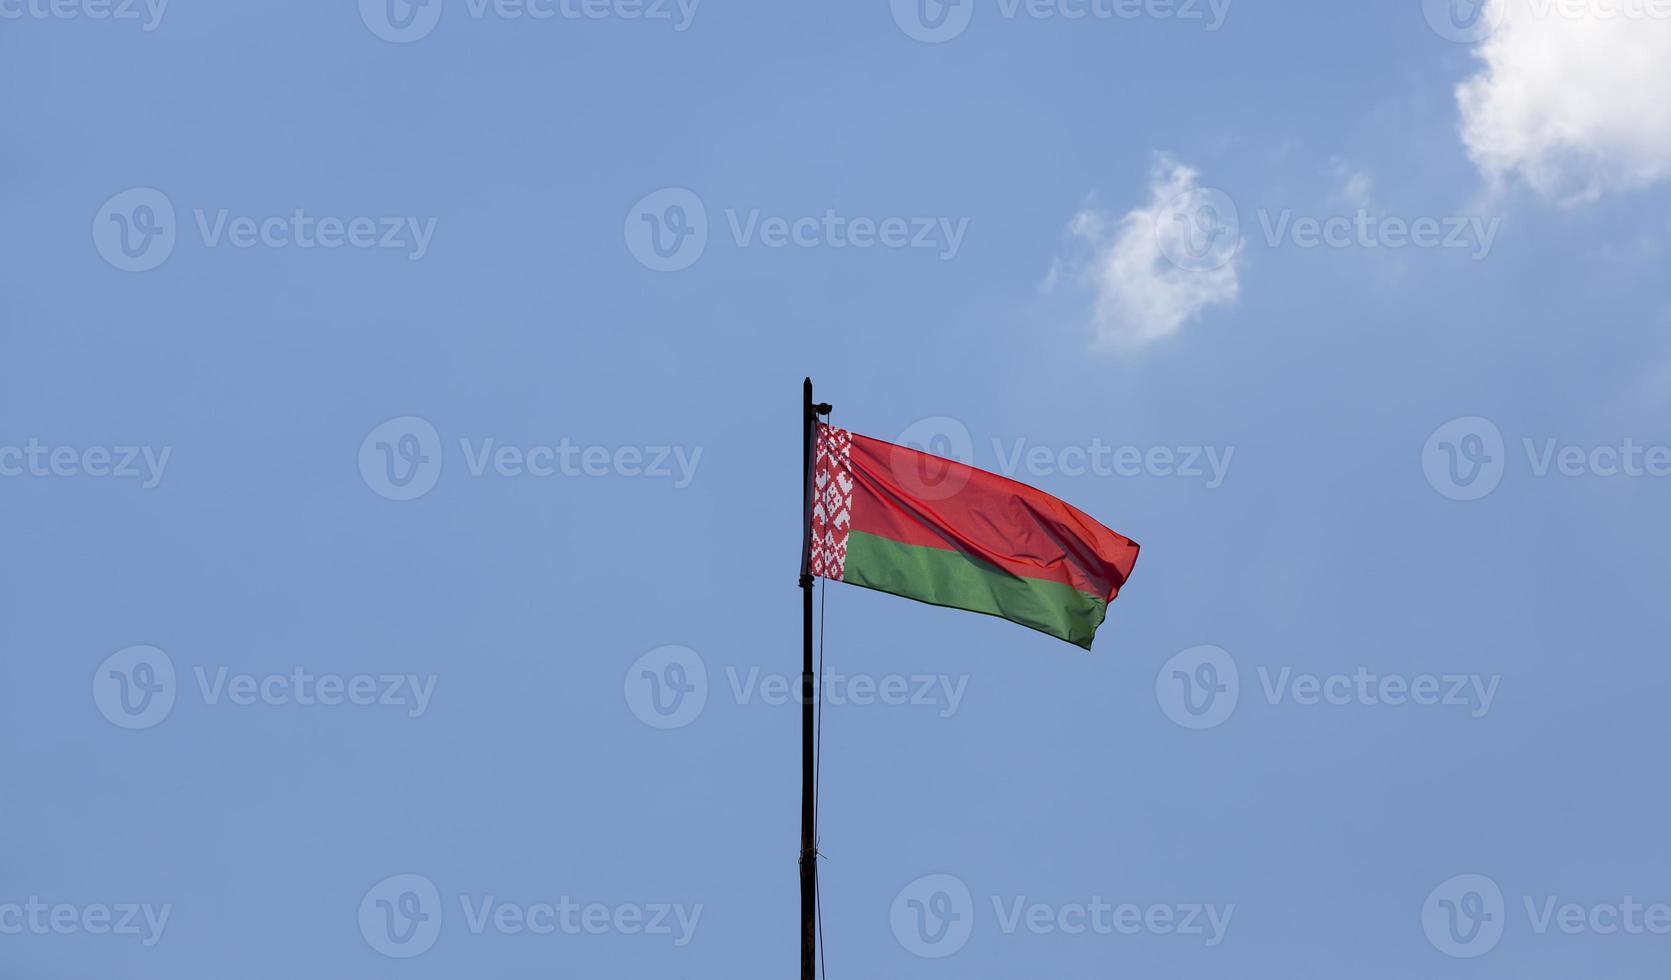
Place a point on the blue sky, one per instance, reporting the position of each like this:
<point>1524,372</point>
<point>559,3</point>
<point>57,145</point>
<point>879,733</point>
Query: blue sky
<point>398,450</point>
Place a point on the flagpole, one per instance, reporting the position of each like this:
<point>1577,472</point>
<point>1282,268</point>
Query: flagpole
<point>809,695</point>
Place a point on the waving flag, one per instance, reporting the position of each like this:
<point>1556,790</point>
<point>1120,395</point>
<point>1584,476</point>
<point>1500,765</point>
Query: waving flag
<point>898,520</point>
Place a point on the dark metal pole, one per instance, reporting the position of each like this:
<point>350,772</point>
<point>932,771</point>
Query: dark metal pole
<point>809,847</point>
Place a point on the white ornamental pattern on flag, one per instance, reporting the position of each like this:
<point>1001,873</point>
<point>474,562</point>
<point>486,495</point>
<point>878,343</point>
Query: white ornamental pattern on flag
<point>832,502</point>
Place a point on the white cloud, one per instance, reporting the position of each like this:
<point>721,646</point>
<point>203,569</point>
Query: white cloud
<point>1353,187</point>
<point>1161,265</point>
<point>1574,98</point>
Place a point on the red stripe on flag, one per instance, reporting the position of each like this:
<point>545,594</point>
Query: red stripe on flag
<point>920,499</point>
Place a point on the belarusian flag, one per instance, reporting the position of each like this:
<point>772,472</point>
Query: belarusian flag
<point>897,520</point>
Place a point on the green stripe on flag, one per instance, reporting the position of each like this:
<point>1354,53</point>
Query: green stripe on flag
<point>949,578</point>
